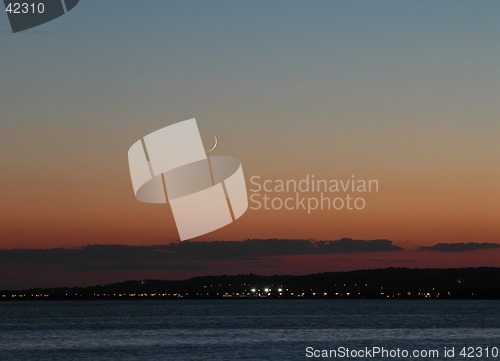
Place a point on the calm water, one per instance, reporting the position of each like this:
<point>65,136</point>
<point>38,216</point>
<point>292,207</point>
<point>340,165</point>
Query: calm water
<point>238,329</point>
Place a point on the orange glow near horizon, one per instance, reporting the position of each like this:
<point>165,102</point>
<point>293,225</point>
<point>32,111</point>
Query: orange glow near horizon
<point>73,212</point>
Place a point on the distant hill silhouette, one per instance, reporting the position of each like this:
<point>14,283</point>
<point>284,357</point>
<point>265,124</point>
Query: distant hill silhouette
<point>375,284</point>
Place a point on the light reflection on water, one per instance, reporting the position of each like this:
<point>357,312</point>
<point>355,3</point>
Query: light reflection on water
<point>256,329</point>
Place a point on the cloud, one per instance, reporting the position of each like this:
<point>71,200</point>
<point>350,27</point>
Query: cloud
<point>460,247</point>
<point>347,245</point>
<point>184,255</point>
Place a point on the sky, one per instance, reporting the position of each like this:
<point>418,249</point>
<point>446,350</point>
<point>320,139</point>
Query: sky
<point>405,92</point>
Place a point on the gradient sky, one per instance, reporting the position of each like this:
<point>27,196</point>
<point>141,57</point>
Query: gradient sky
<point>405,92</point>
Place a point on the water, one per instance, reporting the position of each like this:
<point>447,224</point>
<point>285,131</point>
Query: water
<point>240,329</point>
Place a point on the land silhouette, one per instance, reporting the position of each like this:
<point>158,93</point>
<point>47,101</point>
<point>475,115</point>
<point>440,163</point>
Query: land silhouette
<point>389,283</point>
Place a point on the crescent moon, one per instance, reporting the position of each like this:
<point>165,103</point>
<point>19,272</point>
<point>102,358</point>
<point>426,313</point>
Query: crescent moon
<point>215,145</point>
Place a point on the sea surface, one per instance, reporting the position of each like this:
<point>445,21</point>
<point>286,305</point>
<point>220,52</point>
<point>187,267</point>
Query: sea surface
<point>245,329</point>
